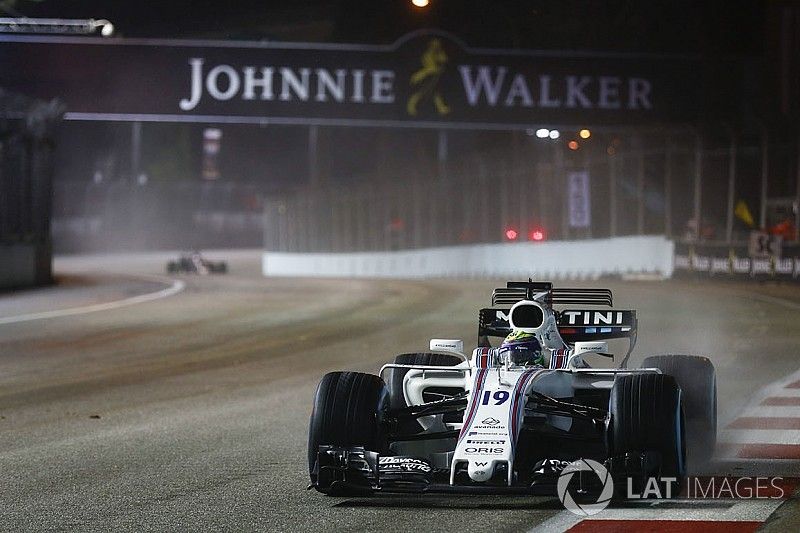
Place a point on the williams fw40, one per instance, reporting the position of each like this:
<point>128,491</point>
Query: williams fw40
<point>509,420</point>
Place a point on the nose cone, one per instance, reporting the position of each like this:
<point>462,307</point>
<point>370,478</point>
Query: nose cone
<point>480,471</point>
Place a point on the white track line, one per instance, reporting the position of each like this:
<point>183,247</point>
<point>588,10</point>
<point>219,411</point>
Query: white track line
<point>690,510</point>
<point>775,300</point>
<point>767,411</point>
<point>759,436</point>
<point>755,409</point>
<point>175,286</point>
<point>784,392</point>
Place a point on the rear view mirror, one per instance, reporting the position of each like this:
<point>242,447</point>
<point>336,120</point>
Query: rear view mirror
<point>597,347</point>
<point>447,345</point>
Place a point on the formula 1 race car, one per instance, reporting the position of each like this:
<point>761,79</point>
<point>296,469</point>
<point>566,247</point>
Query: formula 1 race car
<point>440,421</point>
<point>194,263</point>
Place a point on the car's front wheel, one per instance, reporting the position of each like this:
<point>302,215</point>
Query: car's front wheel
<point>348,411</point>
<point>698,381</point>
<point>646,415</point>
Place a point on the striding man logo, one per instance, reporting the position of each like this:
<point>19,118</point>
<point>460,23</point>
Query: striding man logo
<point>425,81</point>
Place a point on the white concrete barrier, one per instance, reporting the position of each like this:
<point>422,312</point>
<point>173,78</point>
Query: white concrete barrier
<point>587,259</point>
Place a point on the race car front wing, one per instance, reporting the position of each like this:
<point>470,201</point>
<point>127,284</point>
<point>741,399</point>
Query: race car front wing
<point>356,471</point>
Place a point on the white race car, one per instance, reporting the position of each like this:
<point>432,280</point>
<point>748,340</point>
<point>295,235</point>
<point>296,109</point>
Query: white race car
<point>441,421</point>
<point>195,263</point>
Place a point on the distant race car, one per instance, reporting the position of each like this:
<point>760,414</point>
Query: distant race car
<point>194,263</point>
<point>499,421</point>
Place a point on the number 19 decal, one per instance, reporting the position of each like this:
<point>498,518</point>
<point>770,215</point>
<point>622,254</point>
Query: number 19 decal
<point>499,396</point>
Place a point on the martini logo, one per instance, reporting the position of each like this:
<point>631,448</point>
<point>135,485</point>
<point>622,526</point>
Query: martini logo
<point>425,81</point>
<point>592,318</point>
<point>501,316</point>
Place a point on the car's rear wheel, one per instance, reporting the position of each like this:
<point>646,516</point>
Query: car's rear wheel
<point>698,381</point>
<point>396,394</point>
<point>647,416</point>
<point>348,411</point>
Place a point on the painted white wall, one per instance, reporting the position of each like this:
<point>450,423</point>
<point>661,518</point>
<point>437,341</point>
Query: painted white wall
<point>586,259</point>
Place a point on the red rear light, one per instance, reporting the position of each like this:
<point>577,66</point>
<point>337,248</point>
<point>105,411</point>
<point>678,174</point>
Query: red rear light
<point>511,234</point>
<point>536,234</point>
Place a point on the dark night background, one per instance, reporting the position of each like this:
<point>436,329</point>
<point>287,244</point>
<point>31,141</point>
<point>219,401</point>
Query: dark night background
<point>711,27</point>
<point>754,43</point>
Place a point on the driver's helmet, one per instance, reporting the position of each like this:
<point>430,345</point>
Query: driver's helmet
<point>522,348</point>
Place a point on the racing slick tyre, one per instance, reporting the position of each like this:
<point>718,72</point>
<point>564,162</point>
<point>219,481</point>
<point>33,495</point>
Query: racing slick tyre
<point>698,381</point>
<point>396,395</point>
<point>348,407</point>
<point>646,417</point>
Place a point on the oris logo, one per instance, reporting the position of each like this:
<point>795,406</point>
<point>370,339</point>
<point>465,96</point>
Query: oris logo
<point>483,451</point>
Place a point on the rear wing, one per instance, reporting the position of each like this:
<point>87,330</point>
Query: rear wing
<point>514,291</point>
<point>573,324</point>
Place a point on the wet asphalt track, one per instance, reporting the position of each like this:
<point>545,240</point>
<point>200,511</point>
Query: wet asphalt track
<point>190,413</point>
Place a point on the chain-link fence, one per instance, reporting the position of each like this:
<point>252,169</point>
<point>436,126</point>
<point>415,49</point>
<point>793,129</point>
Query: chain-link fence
<point>634,186</point>
<point>677,187</point>
<point>117,216</point>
